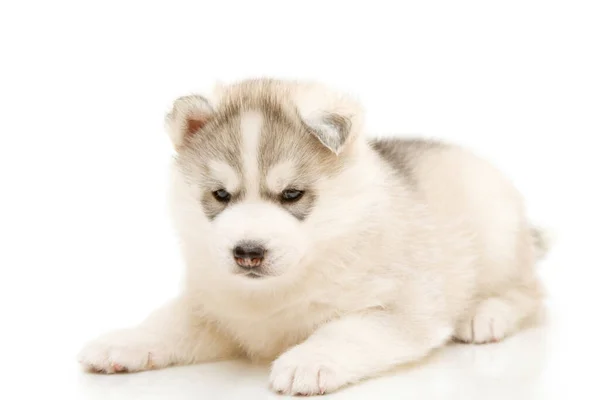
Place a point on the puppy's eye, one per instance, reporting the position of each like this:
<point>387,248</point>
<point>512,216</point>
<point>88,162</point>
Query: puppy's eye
<point>222,195</point>
<point>291,195</point>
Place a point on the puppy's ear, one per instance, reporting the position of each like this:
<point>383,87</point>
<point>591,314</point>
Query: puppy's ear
<point>333,130</point>
<point>188,115</point>
<point>333,117</point>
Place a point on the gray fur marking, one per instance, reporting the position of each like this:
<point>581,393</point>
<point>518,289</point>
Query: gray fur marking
<point>284,137</point>
<point>403,154</point>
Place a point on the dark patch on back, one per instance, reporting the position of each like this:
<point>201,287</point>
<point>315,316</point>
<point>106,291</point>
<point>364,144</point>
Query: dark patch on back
<point>402,154</point>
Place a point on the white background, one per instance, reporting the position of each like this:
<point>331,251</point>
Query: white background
<point>86,245</point>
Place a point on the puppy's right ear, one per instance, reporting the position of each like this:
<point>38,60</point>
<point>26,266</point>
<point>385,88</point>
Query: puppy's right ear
<point>188,115</point>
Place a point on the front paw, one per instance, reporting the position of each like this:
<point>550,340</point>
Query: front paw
<point>304,371</point>
<point>490,323</point>
<point>123,351</point>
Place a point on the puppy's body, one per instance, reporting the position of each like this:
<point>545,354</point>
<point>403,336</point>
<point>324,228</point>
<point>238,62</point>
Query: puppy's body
<point>393,247</point>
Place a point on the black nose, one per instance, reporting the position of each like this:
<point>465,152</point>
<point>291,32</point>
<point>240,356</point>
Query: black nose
<point>249,254</point>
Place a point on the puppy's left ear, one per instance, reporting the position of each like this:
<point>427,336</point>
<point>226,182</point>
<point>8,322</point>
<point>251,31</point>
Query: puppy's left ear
<point>333,117</point>
<point>332,130</point>
<point>188,116</point>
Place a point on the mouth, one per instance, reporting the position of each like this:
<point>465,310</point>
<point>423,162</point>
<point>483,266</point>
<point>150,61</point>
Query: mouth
<point>251,275</point>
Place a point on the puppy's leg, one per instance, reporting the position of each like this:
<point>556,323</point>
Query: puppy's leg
<point>496,317</point>
<point>169,336</point>
<point>350,349</point>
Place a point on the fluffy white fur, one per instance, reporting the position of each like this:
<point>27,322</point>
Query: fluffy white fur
<point>379,275</point>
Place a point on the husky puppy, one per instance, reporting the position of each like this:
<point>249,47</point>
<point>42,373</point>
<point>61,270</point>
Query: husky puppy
<point>336,256</point>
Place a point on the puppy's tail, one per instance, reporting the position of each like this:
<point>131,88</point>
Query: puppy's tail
<point>542,241</point>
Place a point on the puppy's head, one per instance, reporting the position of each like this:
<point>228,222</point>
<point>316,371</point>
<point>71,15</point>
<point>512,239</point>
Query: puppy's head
<point>255,161</point>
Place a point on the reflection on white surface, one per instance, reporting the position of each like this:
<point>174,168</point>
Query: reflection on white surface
<point>507,370</point>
